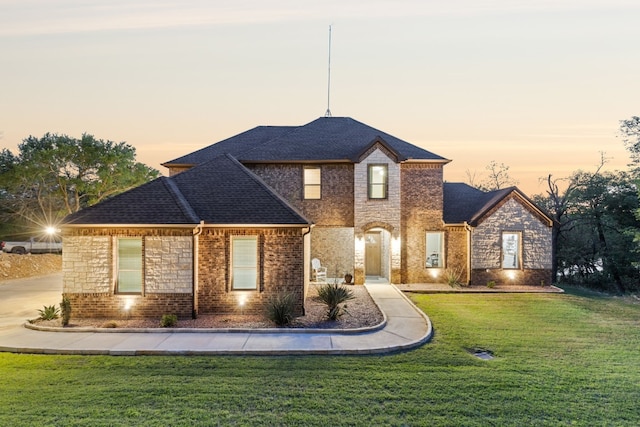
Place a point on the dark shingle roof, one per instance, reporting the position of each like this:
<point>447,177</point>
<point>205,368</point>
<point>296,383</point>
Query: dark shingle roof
<point>221,191</point>
<point>324,139</point>
<point>152,203</point>
<point>235,145</point>
<point>464,203</point>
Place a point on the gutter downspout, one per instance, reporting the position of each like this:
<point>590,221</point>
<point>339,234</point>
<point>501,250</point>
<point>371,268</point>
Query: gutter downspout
<point>468,228</point>
<point>306,262</point>
<point>197,231</point>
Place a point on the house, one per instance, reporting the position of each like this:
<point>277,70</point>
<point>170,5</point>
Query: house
<point>239,221</point>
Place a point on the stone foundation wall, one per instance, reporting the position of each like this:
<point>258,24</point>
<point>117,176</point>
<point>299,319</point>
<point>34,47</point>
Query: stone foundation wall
<point>542,277</point>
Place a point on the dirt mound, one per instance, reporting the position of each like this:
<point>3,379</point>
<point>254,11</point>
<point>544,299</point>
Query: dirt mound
<point>14,266</point>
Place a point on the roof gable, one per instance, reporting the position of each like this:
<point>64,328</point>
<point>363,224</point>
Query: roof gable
<point>463,203</point>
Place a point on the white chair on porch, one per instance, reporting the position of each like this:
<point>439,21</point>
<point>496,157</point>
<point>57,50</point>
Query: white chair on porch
<point>319,272</point>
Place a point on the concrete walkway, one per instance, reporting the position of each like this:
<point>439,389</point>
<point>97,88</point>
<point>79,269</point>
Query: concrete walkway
<point>405,327</point>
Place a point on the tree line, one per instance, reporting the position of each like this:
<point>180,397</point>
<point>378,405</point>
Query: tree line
<point>55,175</point>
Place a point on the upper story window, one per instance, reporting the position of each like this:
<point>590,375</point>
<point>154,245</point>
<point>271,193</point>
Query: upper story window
<point>129,279</point>
<point>511,249</point>
<point>244,262</point>
<point>312,182</point>
<point>435,249</point>
<point>378,179</point>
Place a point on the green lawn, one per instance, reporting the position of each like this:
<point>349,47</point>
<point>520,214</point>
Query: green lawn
<point>570,359</point>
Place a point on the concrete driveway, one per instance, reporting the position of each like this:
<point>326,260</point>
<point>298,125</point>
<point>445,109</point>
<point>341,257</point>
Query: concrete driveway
<point>20,299</point>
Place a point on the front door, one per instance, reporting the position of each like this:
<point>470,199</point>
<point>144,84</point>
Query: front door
<point>373,249</point>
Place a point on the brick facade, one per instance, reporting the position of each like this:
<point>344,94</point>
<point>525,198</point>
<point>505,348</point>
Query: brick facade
<point>282,270</point>
<point>89,272</point>
<point>333,209</point>
<point>422,200</point>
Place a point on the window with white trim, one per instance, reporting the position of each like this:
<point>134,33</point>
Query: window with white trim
<point>434,249</point>
<point>244,262</point>
<point>377,181</point>
<point>312,182</point>
<point>129,278</point>
<point>511,249</point>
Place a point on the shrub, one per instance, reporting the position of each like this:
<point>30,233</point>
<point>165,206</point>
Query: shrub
<point>333,295</point>
<point>280,308</point>
<point>168,321</point>
<point>491,284</point>
<point>49,312</point>
<point>65,309</point>
<point>110,324</point>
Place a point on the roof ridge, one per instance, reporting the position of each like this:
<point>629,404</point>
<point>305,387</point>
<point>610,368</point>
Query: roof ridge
<point>255,147</point>
<point>268,189</point>
<point>183,204</point>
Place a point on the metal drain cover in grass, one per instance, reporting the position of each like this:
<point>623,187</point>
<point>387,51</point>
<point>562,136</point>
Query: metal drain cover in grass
<point>481,353</point>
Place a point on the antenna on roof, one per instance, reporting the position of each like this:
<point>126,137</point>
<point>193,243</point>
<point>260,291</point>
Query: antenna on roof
<point>328,112</point>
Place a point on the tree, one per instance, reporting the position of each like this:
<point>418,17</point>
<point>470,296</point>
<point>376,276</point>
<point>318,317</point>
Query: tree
<point>498,177</point>
<point>57,175</point>
<point>630,133</point>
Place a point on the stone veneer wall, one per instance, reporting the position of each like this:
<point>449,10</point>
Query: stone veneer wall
<point>486,248</point>
<point>168,262</point>
<point>282,270</point>
<point>376,213</point>
<point>335,248</point>
<point>89,279</point>
<point>422,203</point>
<point>334,208</point>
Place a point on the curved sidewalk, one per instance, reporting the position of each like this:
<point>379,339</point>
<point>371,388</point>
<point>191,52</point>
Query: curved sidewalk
<point>406,327</point>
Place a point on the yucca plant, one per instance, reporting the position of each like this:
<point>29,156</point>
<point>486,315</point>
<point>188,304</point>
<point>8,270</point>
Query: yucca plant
<point>49,312</point>
<point>452,277</point>
<point>280,308</point>
<point>333,295</point>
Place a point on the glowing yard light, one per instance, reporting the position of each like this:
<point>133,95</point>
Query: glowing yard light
<point>511,275</point>
<point>434,272</point>
<point>50,230</point>
<point>128,303</point>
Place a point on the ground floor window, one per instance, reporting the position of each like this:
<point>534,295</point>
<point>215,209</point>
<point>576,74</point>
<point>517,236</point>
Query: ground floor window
<point>435,249</point>
<point>511,249</point>
<point>130,263</point>
<point>244,262</point>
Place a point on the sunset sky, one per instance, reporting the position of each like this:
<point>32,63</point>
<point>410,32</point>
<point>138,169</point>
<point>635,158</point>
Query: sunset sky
<point>539,85</point>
